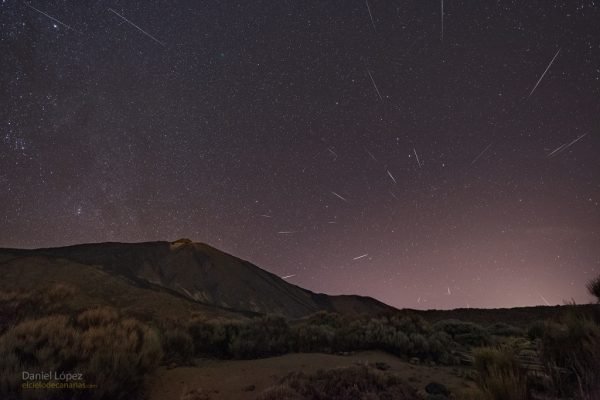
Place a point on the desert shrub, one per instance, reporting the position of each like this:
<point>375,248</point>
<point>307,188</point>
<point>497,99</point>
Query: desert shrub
<point>410,323</point>
<point>536,330</point>
<point>405,335</point>
<point>16,305</point>
<point>402,335</point>
<point>115,357</point>
<point>502,329</point>
<point>10,378</point>
<point>333,320</point>
<point>100,316</point>
<point>378,331</point>
<point>593,288</point>
<point>58,292</point>
<point>312,338</point>
<point>351,336</point>
<point>356,382</point>
<point>570,349</point>
<point>465,333</point>
<point>419,346</point>
<point>177,345</point>
<point>45,344</point>
<point>401,344</point>
<point>260,337</point>
<point>211,338</point>
<point>118,356</point>
<point>439,343</point>
<point>500,376</point>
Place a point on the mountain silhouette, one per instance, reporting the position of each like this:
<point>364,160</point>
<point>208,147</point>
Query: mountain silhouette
<point>181,275</point>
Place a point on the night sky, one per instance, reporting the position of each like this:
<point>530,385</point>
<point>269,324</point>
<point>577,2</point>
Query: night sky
<point>428,154</point>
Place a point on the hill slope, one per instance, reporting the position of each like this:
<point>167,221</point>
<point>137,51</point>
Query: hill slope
<point>192,271</point>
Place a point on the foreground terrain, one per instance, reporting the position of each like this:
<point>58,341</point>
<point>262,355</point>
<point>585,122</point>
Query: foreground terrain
<point>249,379</point>
<point>184,321</point>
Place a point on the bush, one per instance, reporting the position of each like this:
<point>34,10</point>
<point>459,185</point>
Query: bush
<point>418,346</point>
<point>311,338</point>
<point>403,335</point>
<point>464,333</point>
<point>570,349</point>
<point>356,382</point>
<point>57,292</point>
<point>593,287</point>
<point>439,343</point>
<point>410,323</point>
<point>211,339</point>
<point>333,320</point>
<point>115,356</point>
<point>500,375</point>
<point>100,316</point>
<point>178,346</point>
<point>16,305</point>
<point>502,329</point>
<point>536,330</point>
<point>260,337</point>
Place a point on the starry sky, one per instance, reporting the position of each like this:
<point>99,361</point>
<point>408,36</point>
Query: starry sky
<point>431,154</point>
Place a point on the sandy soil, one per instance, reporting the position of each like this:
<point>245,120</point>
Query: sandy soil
<point>232,379</point>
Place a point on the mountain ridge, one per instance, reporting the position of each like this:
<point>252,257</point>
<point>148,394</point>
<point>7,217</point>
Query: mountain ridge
<point>203,274</point>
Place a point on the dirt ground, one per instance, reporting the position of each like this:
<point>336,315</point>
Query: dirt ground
<point>245,379</point>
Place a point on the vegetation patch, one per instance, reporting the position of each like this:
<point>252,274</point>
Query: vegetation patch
<point>112,354</point>
<point>350,383</point>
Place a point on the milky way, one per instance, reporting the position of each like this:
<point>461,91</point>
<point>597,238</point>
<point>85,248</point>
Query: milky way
<point>429,155</point>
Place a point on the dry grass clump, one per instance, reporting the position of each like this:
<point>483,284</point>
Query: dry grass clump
<point>571,349</point>
<point>593,288</point>
<point>100,316</point>
<point>16,305</point>
<point>500,374</point>
<point>112,352</point>
<point>58,292</point>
